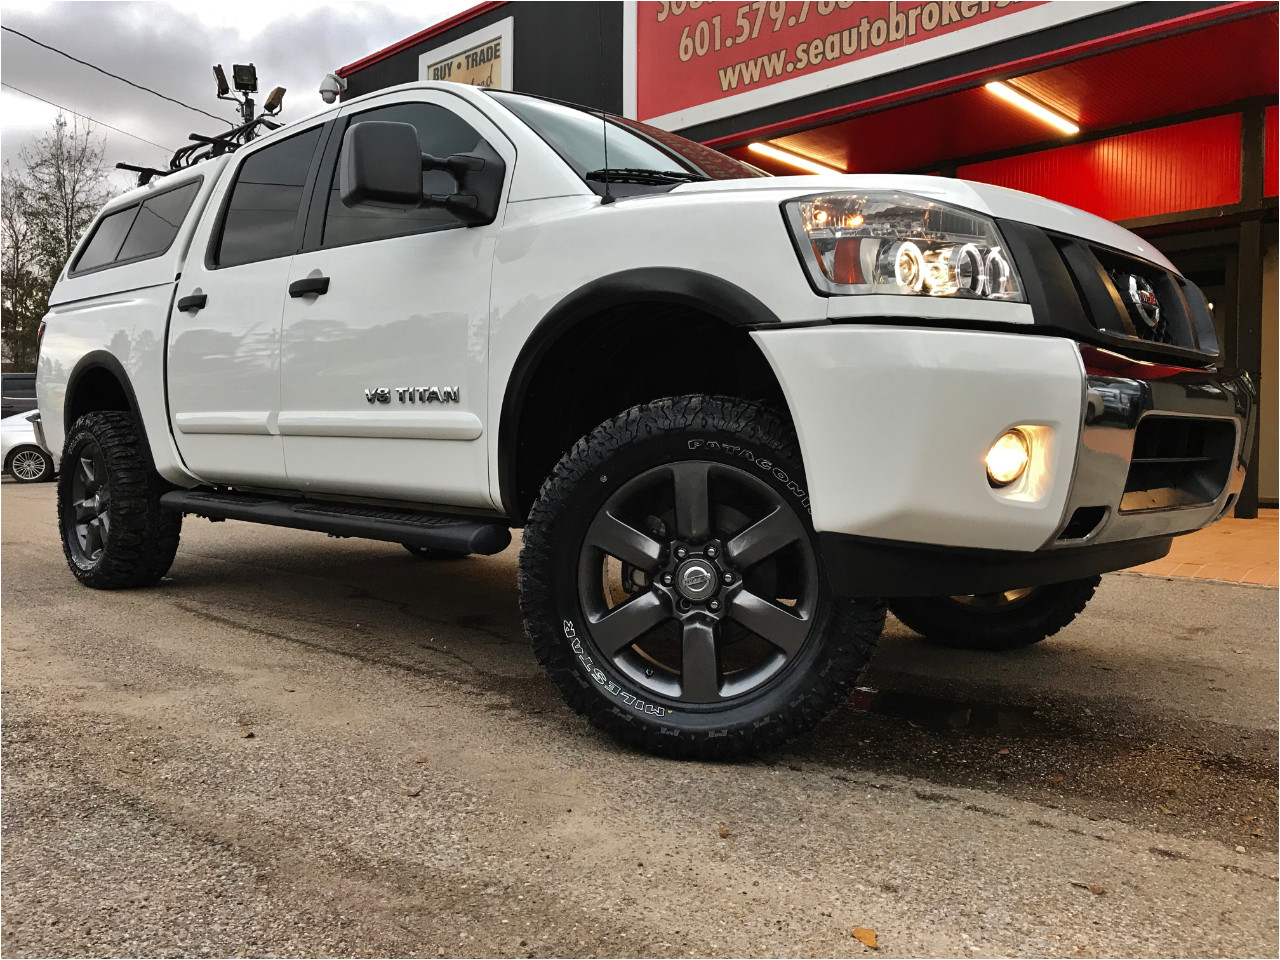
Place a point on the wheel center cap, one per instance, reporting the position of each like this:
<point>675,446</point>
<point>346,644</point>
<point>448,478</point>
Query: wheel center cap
<point>696,579</point>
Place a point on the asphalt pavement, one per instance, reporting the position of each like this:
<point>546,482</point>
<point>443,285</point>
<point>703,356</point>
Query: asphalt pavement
<point>303,746</point>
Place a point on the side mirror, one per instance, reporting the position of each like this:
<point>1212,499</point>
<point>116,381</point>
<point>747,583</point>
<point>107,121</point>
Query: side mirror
<point>381,165</point>
<point>479,177</point>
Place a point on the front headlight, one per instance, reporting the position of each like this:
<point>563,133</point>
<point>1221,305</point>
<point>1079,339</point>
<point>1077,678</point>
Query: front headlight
<point>897,243</point>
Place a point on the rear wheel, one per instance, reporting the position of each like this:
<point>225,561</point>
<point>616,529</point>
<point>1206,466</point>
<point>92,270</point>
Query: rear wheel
<point>672,586</point>
<point>29,465</point>
<point>114,532</point>
<point>1004,620</point>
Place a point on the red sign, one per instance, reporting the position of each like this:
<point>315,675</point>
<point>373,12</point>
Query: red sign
<point>692,54</point>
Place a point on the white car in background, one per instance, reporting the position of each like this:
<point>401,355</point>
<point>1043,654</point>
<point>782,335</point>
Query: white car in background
<point>24,459</point>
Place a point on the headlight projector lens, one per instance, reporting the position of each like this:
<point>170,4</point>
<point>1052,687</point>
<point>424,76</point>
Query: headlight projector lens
<point>1008,458</point>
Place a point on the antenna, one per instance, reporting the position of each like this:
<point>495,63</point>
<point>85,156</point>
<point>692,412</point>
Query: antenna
<point>604,120</point>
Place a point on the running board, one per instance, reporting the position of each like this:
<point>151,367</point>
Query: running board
<point>459,534</point>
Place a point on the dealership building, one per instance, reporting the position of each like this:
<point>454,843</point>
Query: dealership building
<point>1160,116</point>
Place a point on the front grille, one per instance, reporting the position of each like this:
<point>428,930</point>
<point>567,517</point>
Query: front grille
<point>1131,299</point>
<point>1178,462</point>
<point>1150,298</point>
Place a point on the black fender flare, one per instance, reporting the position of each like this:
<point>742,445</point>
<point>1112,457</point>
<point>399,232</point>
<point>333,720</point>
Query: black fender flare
<point>103,360</point>
<point>690,288</point>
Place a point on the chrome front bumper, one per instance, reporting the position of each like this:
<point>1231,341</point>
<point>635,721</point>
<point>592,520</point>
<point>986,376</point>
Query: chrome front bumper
<point>1159,455</point>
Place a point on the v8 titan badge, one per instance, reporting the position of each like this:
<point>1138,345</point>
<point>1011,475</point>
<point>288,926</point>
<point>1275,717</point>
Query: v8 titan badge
<point>413,394</point>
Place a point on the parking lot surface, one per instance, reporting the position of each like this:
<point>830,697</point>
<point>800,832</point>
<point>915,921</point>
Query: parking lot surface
<point>302,746</point>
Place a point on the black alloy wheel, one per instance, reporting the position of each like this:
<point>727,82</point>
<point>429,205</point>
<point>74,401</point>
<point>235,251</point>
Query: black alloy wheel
<point>672,586</point>
<point>114,531</point>
<point>698,600</point>
<point>90,499</point>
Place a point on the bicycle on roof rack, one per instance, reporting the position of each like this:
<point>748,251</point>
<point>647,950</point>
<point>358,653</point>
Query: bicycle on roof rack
<point>245,79</point>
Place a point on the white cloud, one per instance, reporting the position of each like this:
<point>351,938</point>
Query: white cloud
<point>172,47</point>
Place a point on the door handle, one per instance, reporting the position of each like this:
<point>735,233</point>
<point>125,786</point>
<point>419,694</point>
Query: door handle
<point>316,285</point>
<point>194,302</point>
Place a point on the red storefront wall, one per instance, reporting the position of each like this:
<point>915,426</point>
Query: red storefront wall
<point>1187,166</point>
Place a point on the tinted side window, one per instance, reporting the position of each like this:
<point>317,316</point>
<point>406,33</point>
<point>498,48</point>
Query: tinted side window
<point>440,133</point>
<point>19,388</point>
<point>265,200</point>
<point>158,222</point>
<point>107,237</point>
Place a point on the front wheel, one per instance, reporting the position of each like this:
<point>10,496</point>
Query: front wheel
<point>29,465</point>
<point>1004,620</point>
<point>114,532</point>
<point>671,583</point>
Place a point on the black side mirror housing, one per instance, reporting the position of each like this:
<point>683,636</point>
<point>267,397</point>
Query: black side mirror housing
<point>381,166</point>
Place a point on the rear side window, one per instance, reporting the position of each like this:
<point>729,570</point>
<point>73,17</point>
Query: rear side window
<point>441,133</point>
<point>263,210</point>
<point>158,222</point>
<point>106,240</point>
<point>138,232</point>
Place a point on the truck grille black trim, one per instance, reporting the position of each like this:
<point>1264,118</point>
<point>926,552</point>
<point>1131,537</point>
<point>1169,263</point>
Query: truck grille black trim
<point>1083,290</point>
<point>1178,462</point>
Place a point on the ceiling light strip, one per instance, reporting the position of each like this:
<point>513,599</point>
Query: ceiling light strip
<point>1023,102</point>
<point>784,156</point>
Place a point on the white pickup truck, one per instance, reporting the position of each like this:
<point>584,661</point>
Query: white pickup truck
<point>735,414</point>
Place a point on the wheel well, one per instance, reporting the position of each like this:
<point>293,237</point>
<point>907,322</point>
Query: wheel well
<point>97,388</point>
<point>611,361</point>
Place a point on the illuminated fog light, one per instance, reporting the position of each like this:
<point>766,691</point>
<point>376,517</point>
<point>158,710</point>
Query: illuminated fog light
<point>1008,458</point>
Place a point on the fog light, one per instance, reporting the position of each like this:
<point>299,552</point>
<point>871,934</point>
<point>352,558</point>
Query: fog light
<point>1008,458</point>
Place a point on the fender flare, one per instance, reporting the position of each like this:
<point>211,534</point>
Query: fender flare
<point>102,360</point>
<point>690,288</point>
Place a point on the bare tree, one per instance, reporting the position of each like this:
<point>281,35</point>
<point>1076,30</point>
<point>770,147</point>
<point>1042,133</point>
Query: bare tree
<point>68,186</point>
<point>24,291</point>
<point>45,207</point>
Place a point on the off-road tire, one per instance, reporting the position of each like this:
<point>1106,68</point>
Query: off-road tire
<point>694,430</point>
<point>141,539</point>
<point>431,553</point>
<point>952,623</point>
<point>20,470</point>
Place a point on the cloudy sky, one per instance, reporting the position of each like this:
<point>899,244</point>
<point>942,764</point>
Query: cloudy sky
<point>172,47</point>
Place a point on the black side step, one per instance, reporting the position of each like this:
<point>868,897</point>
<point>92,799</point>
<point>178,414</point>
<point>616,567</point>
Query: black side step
<point>461,534</point>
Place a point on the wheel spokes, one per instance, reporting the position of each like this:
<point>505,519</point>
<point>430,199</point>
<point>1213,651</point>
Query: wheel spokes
<point>27,465</point>
<point>693,502</point>
<point>764,538</point>
<point>93,538</point>
<point>88,472</point>
<point>85,510</point>
<point>784,630</point>
<point>621,540</point>
<point>625,624</point>
<point>699,670</point>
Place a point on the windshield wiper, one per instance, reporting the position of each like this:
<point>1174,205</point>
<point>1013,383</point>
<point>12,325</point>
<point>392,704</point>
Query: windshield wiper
<point>645,176</point>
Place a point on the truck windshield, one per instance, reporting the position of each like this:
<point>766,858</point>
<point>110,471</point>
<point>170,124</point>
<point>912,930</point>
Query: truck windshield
<point>642,158</point>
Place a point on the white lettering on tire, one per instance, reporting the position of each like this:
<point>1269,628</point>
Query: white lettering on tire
<point>768,466</point>
<point>596,674</point>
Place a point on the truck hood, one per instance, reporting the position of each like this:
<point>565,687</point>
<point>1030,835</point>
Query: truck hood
<point>994,201</point>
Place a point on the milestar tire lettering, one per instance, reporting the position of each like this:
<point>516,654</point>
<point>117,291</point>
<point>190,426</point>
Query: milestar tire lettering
<point>596,674</point>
